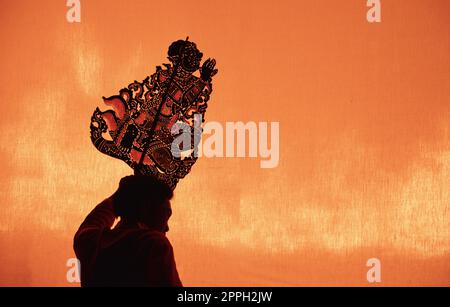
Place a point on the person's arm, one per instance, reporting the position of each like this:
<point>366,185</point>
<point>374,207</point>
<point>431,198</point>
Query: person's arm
<point>100,218</point>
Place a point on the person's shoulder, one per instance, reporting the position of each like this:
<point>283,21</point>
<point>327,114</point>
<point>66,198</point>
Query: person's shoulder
<point>107,201</point>
<point>154,238</point>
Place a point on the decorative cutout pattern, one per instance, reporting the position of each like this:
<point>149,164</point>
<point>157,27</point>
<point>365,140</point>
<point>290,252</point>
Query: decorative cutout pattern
<point>143,115</point>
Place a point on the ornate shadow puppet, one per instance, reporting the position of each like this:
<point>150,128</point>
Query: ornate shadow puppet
<point>145,113</point>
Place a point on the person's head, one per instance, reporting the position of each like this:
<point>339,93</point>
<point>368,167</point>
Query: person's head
<point>143,199</point>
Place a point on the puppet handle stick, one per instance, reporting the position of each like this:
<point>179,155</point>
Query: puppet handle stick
<point>158,113</point>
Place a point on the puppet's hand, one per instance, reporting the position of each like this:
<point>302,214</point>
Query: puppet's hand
<point>207,71</point>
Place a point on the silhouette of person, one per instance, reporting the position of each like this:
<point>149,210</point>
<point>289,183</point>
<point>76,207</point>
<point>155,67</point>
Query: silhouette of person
<point>136,252</point>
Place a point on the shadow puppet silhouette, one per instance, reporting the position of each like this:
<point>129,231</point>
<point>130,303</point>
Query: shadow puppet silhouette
<point>136,252</point>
